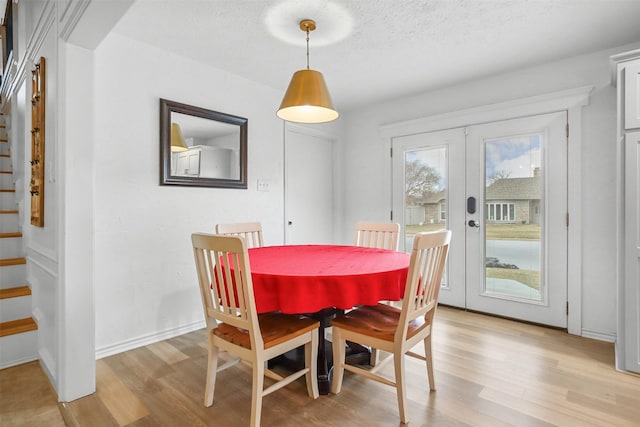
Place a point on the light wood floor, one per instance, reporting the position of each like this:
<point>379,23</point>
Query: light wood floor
<point>489,372</point>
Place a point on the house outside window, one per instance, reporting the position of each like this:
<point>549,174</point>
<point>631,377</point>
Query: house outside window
<point>501,212</point>
<point>443,211</point>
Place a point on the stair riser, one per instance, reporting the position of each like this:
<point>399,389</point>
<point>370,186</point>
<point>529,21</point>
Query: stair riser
<point>15,308</point>
<point>8,201</point>
<point>6,180</point>
<point>11,247</point>
<point>8,223</point>
<point>18,349</point>
<point>12,276</point>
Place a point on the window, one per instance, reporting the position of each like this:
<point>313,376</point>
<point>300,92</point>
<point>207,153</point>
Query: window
<point>501,212</point>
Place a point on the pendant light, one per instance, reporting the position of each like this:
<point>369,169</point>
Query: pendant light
<point>307,99</point>
<point>177,140</point>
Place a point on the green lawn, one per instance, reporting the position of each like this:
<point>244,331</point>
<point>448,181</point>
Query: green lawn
<point>531,278</point>
<point>494,231</point>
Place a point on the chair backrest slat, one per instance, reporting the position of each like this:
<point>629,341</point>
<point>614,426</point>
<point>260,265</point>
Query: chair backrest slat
<point>380,235</point>
<point>426,268</point>
<point>250,231</point>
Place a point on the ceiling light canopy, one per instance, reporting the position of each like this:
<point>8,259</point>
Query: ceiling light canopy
<point>307,98</point>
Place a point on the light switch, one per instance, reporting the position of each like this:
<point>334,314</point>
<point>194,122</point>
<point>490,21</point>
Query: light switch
<point>263,185</point>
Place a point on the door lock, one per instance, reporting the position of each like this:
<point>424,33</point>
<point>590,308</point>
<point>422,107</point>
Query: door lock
<point>474,223</point>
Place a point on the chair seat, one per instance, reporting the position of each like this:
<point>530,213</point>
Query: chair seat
<point>379,321</point>
<point>275,329</point>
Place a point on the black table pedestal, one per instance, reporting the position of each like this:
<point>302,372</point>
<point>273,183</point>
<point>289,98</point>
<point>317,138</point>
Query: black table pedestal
<point>294,359</point>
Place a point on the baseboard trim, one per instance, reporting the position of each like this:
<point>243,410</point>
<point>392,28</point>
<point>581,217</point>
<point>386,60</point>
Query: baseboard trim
<point>600,336</point>
<point>147,339</point>
<point>20,361</point>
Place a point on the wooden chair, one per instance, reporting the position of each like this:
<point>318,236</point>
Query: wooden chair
<point>226,288</point>
<point>383,235</point>
<point>251,231</point>
<point>395,330</point>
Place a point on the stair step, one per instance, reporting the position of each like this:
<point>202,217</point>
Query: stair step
<point>5,155</point>
<point>12,261</point>
<point>10,235</point>
<point>8,211</point>
<point>19,291</point>
<point>7,190</point>
<point>17,326</point>
<point>6,172</point>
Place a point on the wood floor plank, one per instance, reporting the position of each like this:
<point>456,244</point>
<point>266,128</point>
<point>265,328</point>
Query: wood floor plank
<point>167,352</point>
<point>27,397</point>
<point>488,371</point>
<point>122,403</point>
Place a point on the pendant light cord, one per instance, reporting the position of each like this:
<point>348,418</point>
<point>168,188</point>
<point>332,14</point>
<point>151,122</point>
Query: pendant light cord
<point>307,47</point>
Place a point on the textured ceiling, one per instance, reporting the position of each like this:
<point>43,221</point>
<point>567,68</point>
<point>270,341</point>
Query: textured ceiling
<point>371,50</point>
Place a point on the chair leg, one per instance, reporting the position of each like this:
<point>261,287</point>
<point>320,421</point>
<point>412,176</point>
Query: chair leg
<point>374,358</point>
<point>212,370</point>
<point>429,356</point>
<point>256,394</point>
<point>401,388</point>
<point>338,347</point>
<point>311,362</point>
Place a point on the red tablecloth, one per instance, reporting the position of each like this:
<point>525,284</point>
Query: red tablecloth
<point>308,278</point>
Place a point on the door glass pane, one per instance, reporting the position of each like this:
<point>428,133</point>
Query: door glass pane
<point>425,192</point>
<point>513,217</point>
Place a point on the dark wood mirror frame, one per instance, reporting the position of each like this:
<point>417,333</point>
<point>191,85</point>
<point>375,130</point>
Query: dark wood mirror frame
<point>166,178</point>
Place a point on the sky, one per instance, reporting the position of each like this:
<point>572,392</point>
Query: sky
<point>518,156</point>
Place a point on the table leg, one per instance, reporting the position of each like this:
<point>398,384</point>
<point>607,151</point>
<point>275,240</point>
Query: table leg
<point>325,358</point>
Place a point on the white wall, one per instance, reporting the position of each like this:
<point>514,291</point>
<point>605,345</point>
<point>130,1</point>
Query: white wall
<point>145,280</point>
<point>367,163</point>
<point>41,243</point>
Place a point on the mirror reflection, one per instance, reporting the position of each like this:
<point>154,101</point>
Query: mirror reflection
<point>202,147</point>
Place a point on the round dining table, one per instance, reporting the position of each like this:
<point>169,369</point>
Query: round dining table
<point>323,280</point>
<point>309,278</point>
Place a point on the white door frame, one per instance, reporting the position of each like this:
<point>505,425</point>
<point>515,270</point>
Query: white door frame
<point>571,100</point>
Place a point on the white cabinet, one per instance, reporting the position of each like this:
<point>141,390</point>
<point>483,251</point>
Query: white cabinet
<point>632,95</point>
<point>627,77</point>
<point>187,163</point>
<point>203,161</point>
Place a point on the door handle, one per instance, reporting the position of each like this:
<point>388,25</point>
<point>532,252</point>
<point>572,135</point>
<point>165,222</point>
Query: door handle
<point>474,223</point>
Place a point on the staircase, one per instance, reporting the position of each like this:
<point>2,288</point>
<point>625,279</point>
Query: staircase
<point>18,330</point>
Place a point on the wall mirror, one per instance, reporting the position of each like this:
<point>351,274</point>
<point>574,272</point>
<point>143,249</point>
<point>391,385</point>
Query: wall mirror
<point>201,148</point>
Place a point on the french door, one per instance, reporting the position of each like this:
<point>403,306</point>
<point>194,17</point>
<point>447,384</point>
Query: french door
<point>501,188</point>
